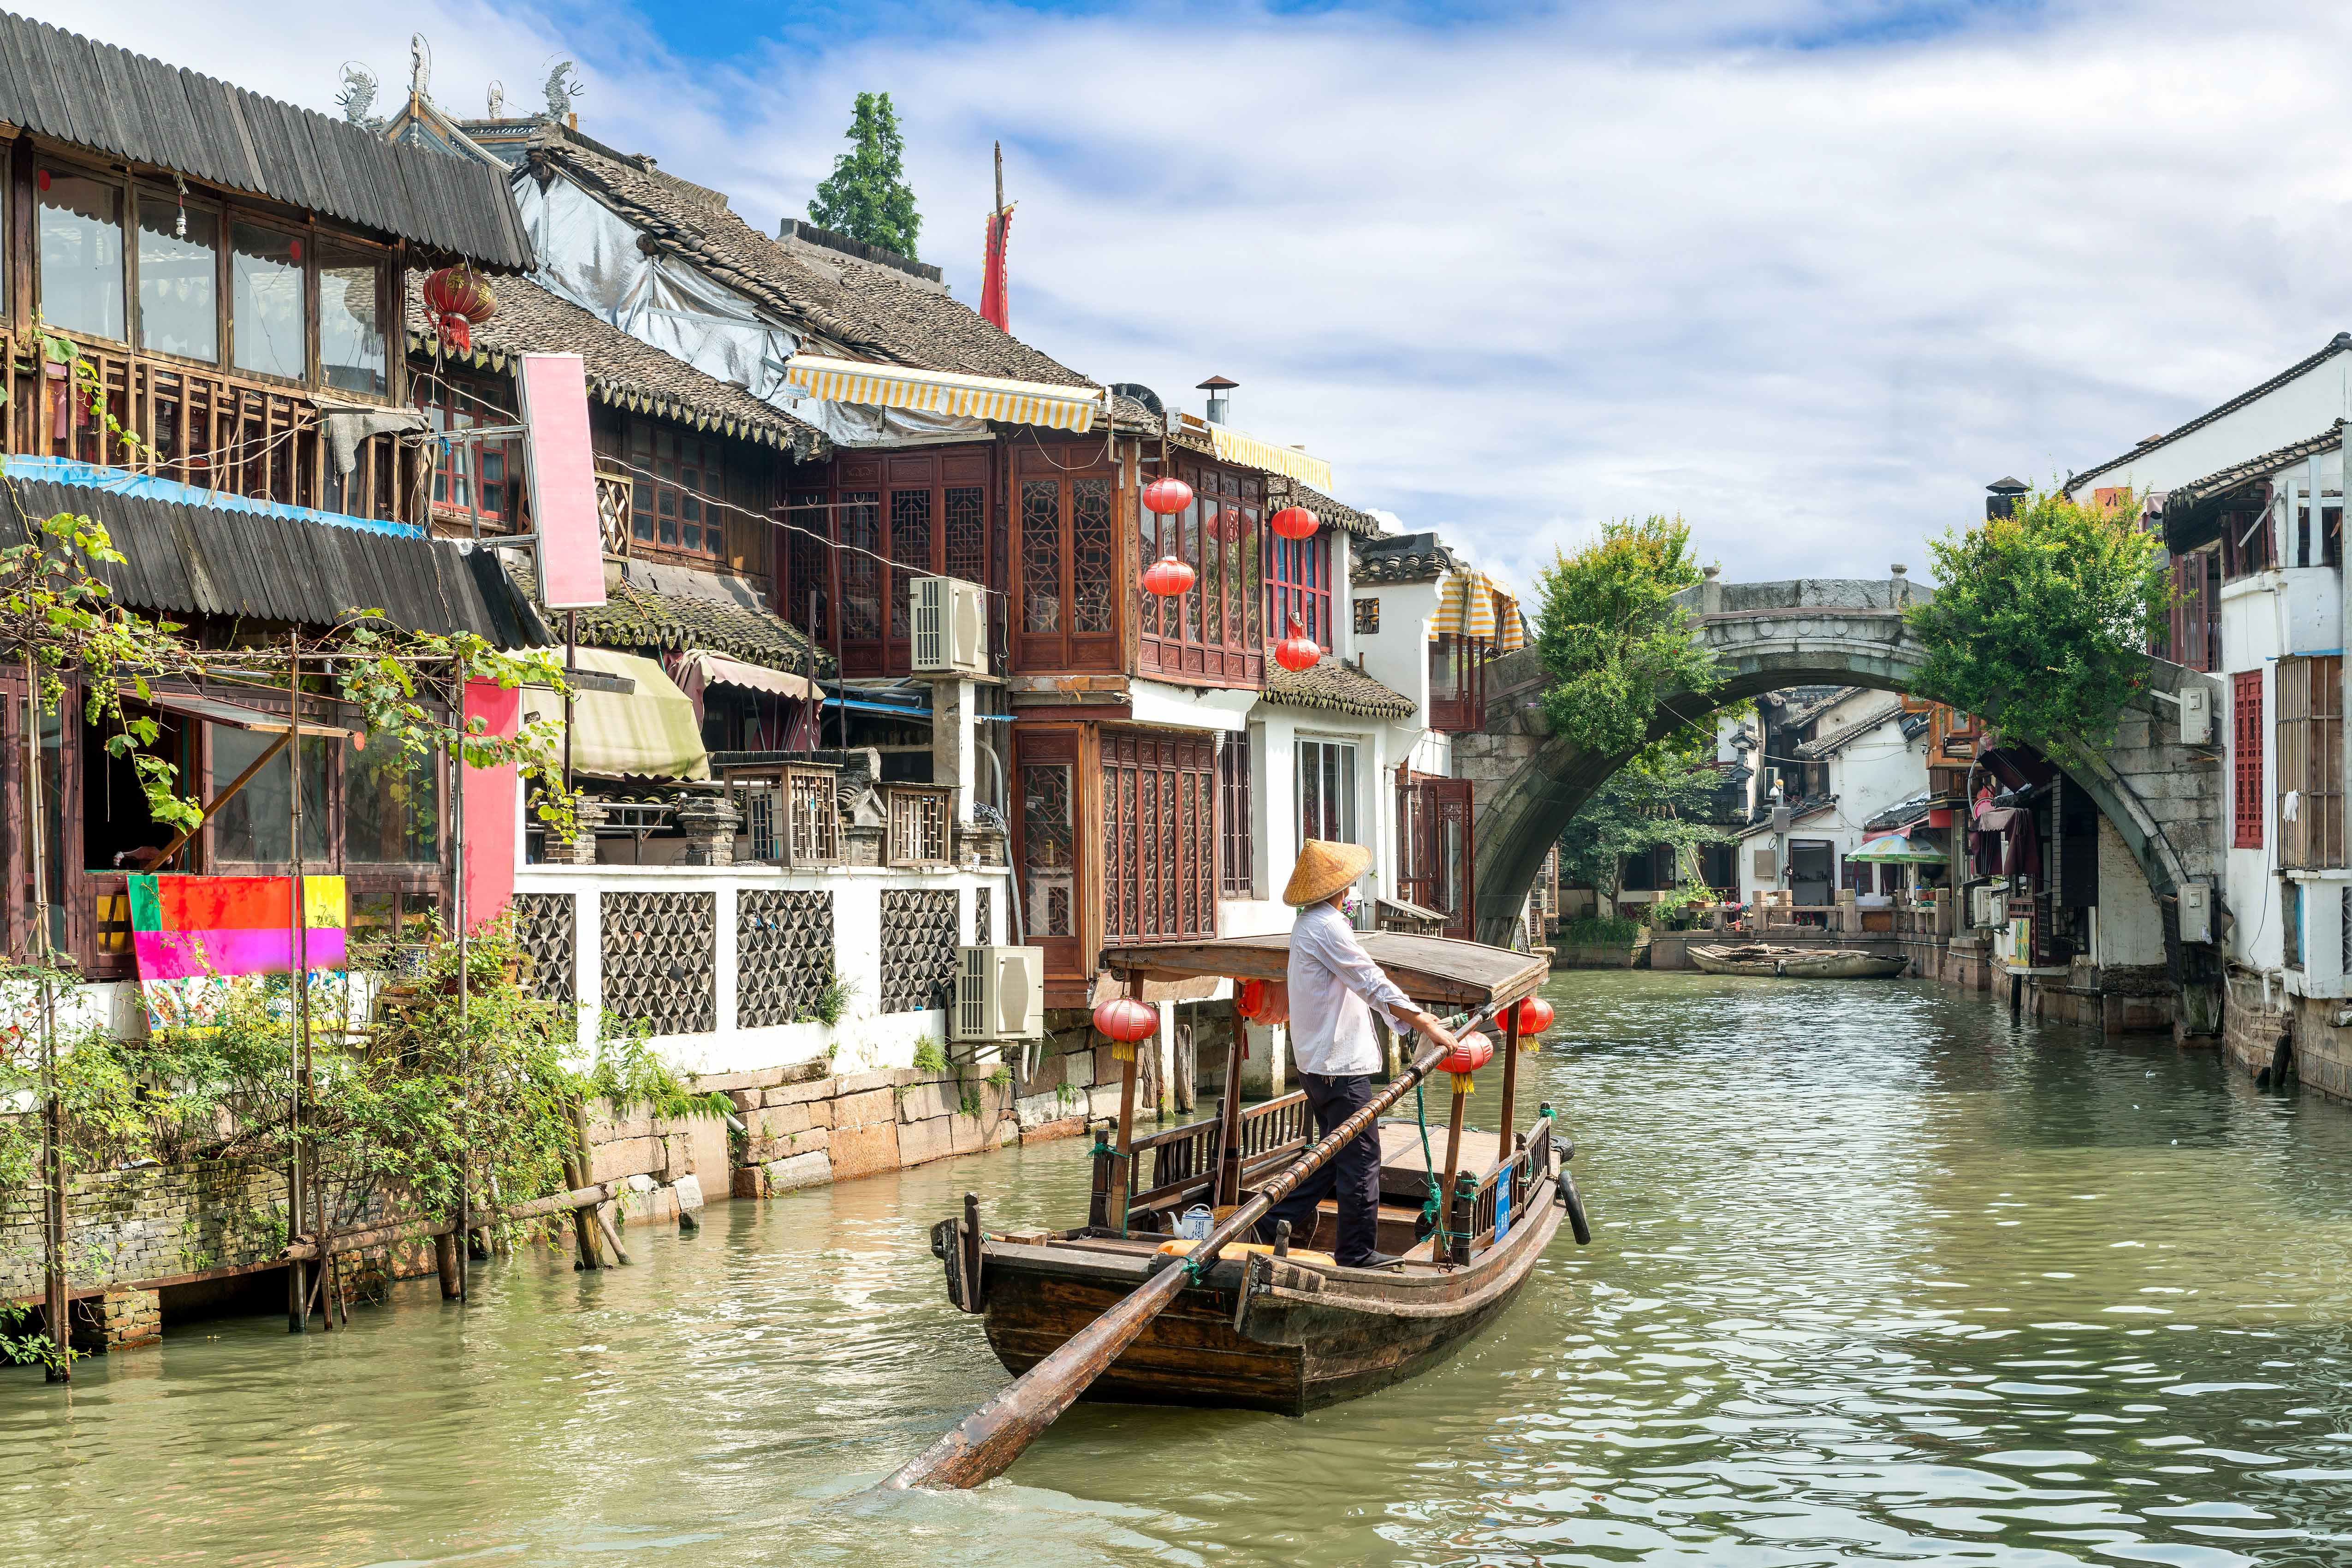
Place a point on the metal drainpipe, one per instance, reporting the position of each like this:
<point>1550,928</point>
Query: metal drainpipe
<point>1004,807</point>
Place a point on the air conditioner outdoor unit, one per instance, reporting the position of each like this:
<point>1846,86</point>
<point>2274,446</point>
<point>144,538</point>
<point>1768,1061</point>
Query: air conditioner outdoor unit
<point>1000,993</point>
<point>951,627</point>
<point>1984,907</point>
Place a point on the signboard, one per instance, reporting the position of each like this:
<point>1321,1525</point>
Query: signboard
<point>571,549</point>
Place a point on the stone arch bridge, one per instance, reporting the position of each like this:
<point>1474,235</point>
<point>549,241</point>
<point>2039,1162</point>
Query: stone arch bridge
<point>2165,798</point>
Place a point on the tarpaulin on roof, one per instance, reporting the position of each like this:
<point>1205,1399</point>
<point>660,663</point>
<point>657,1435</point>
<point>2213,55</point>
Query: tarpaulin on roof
<point>1238,447</point>
<point>1470,605</point>
<point>652,732</point>
<point>718,670</point>
<point>590,255</point>
<point>942,392</point>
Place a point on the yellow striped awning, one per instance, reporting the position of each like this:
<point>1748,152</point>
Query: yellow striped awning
<point>944,391</point>
<point>1235,447</point>
<point>1470,605</point>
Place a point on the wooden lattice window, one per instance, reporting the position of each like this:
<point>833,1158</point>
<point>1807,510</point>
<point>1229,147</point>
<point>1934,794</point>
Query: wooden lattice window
<point>2311,762</point>
<point>613,512</point>
<point>2246,757</point>
<point>1048,841</point>
<point>811,817</point>
<point>1068,558</point>
<point>918,826</point>
<point>676,477</point>
<point>857,539</point>
<point>1213,633</point>
<point>1234,873</point>
<point>1159,803</point>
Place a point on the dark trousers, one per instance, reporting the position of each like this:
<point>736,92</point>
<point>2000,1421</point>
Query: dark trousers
<point>1354,1173</point>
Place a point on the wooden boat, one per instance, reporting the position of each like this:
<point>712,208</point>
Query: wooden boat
<point>1287,1334</point>
<point>1798,962</point>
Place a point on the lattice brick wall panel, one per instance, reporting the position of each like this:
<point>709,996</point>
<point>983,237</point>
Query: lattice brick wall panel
<point>547,926</point>
<point>661,954</point>
<point>918,948</point>
<point>984,923</point>
<point>784,952</point>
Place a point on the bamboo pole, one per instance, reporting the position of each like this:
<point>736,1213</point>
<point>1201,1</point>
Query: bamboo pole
<point>56,1304</point>
<point>298,1297</point>
<point>465,967</point>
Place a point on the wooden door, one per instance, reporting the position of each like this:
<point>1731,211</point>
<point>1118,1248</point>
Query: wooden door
<point>1435,848</point>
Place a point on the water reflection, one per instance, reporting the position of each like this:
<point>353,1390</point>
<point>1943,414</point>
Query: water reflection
<point>1879,1277</point>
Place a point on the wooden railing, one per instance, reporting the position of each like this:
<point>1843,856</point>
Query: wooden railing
<point>1183,1160</point>
<point>1482,1200</point>
<point>253,439</point>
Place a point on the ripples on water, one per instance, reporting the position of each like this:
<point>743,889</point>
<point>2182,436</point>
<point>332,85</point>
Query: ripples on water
<point>1879,1277</point>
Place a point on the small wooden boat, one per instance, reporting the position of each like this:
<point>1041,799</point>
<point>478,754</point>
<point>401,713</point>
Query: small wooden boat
<point>1798,962</point>
<point>1287,1332</point>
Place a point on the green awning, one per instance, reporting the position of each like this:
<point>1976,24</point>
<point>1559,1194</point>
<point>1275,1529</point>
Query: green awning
<point>651,733</point>
<point>1897,849</point>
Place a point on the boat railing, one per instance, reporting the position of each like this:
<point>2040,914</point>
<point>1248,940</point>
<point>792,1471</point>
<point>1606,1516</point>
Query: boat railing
<point>1497,1200</point>
<point>1181,1160</point>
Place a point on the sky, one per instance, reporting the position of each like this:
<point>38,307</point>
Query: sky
<point>1807,273</point>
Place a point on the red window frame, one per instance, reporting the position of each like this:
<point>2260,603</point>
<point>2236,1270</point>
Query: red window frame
<point>2246,757</point>
<point>674,500</point>
<point>1212,634</point>
<point>901,517</point>
<point>1298,584</point>
<point>1159,837</point>
<point>1067,541</point>
<point>465,489</point>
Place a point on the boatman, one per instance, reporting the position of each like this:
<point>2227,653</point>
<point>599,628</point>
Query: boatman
<point>1334,986</point>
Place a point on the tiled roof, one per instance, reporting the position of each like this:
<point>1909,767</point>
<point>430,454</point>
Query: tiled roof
<point>622,371</point>
<point>1335,688</point>
<point>145,111</point>
<point>1281,492</point>
<point>871,311</point>
<point>1830,745</point>
<point>673,609</point>
<point>1403,558</point>
<point>2224,480</point>
<point>2340,343</point>
<point>1808,703</point>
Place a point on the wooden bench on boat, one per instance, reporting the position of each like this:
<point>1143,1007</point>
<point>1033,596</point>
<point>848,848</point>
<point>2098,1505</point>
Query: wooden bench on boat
<point>1276,1330</point>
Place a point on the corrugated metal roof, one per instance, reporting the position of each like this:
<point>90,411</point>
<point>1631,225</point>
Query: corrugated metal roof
<point>190,559</point>
<point>62,85</point>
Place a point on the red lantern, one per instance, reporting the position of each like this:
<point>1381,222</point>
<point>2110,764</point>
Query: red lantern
<point>1167,577</point>
<point>1535,1016</point>
<point>1298,651</point>
<point>1126,1021</point>
<point>1265,1003</point>
<point>1470,1053</point>
<point>1293,522</point>
<point>1167,495</point>
<point>456,300</point>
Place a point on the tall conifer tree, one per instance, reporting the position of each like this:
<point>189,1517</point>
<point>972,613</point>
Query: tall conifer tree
<point>865,197</point>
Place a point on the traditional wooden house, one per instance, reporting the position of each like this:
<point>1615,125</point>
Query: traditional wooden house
<point>226,266</point>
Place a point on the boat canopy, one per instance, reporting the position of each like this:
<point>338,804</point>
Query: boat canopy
<point>1435,971</point>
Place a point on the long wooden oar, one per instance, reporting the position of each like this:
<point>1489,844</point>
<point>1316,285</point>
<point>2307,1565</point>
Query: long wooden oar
<point>993,1435</point>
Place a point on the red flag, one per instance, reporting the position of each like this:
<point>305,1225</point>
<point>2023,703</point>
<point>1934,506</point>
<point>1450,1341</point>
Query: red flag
<point>992,286</point>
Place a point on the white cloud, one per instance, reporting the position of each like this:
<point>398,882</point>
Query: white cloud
<point>1515,278</point>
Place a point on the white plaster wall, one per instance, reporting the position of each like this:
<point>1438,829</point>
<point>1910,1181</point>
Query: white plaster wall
<point>2302,407</point>
<point>2127,927</point>
<point>1396,655</point>
<point>1274,732</point>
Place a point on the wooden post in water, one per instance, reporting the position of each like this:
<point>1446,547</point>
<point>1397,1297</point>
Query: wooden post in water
<point>1444,1249</point>
<point>297,1291</point>
<point>56,1304</point>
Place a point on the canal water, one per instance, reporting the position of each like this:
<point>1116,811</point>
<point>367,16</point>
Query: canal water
<point>1879,1277</point>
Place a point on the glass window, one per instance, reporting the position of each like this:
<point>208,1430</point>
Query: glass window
<point>81,254</point>
<point>254,826</point>
<point>350,320</point>
<point>179,278</point>
<point>266,302</point>
<point>1327,790</point>
<point>391,806</point>
<point>675,474</point>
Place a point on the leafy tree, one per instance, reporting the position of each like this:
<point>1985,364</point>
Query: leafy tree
<point>865,197</point>
<point>1609,638</point>
<point>2040,617</point>
<point>1658,798</point>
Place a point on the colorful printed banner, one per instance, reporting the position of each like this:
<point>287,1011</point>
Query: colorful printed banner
<point>196,935</point>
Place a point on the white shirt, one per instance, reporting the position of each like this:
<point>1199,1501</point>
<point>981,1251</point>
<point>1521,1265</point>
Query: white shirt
<point>1334,985</point>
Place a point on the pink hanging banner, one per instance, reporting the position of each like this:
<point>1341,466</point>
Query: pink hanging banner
<point>571,552</point>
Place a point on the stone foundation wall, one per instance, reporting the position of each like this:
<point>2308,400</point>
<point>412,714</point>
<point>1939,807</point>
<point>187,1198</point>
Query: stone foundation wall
<point>156,1222</point>
<point>2320,1049</point>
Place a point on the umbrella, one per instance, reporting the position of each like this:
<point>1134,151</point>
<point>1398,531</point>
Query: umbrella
<point>1897,849</point>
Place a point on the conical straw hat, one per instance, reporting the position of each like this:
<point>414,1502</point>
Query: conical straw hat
<point>1323,869</point>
